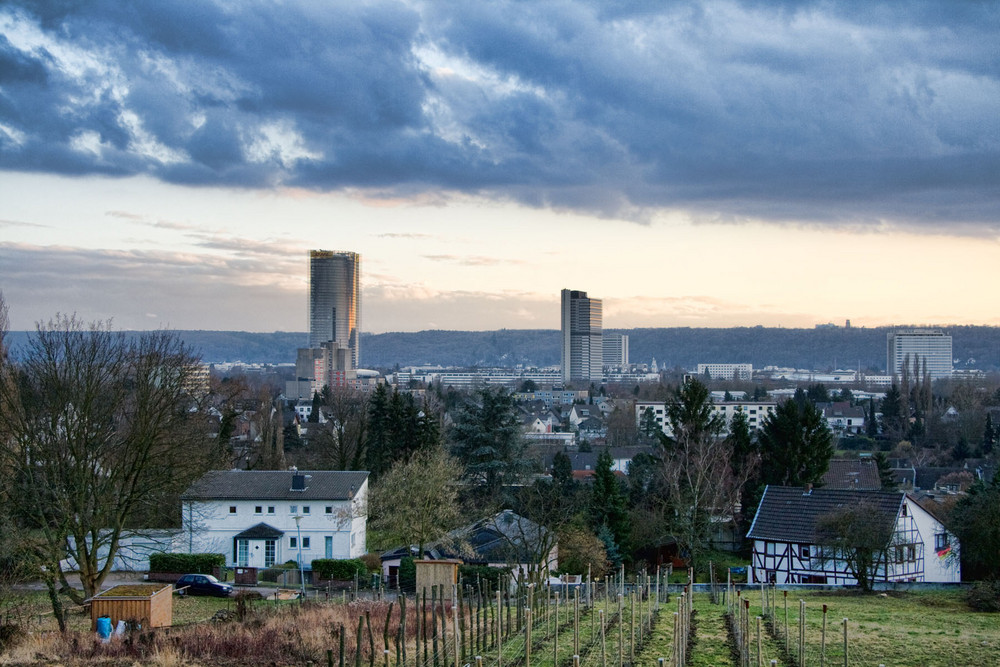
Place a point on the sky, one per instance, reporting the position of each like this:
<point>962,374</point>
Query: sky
<point>171,163</point>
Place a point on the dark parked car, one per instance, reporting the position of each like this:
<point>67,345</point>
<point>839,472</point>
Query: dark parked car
<point>203,584</point>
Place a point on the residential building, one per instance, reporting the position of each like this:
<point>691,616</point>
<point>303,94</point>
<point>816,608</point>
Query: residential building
<point>582,337</point>
<point>788,548</point>
<point>930,346</point>
<point>756,412</point>
<point>843,418</point>
<point>856,474</point>
<point>505,540</point>
<point>335,300</point>
<point>615,351</point>
<point>258,518</point>
<point>726,371</point>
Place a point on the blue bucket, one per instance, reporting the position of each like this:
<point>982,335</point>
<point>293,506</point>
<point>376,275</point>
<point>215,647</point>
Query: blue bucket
<point>103,627</point>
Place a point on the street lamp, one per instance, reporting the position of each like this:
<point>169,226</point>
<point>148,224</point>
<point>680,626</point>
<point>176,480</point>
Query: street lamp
<point>298,542</point>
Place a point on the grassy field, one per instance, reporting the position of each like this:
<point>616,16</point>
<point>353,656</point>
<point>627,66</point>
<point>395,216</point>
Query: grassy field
<point>929,628</point>
<point>897,629</point>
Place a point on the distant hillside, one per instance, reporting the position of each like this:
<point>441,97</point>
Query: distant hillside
<point>685,347</point>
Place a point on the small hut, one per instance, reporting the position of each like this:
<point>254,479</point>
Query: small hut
<point>431,573</point>
<point>150,605</point>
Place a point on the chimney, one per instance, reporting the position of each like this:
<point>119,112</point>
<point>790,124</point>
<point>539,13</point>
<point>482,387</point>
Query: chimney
<point>809,490</point>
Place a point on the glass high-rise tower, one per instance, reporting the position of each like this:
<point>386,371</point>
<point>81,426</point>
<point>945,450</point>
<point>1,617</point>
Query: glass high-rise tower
<point>582,339</point>
<point>335,300</point>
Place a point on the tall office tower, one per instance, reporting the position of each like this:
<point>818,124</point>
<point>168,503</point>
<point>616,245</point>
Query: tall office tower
<point>582,345</point>
<point>615,350</point>
<point>926,345</point>
<point>335,300</point>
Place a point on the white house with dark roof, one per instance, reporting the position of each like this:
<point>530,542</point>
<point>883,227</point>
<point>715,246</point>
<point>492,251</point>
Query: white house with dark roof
<point>258,518</point>
<point>788,550</point>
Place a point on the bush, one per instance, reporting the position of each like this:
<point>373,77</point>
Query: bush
<point>407,574</point>
<point>372,562</point>
<point>185,563</point>
<point>485,573</point>
<point>328,568</point>
<point>984,596</point>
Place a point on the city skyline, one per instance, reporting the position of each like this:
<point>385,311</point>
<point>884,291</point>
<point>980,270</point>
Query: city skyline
<point>696,164</point>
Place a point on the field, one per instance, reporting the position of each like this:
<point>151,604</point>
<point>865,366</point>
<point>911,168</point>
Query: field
<point>928,628</point>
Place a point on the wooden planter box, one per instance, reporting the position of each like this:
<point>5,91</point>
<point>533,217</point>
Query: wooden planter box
<point>151,605</point>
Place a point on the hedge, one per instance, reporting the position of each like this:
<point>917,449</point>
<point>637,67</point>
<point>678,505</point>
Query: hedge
<point>485,573</point>
<point>329,568</point>
<point>185,563</point>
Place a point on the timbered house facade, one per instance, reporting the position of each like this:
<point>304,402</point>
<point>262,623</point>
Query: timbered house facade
<point>787,550</point>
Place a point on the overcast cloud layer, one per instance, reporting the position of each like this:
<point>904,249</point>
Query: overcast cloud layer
<point>833,112</point>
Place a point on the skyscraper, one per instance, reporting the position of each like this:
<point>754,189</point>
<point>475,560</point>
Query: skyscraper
<point>930,346</point>
<point>582,345</point>
<point>335,300</point>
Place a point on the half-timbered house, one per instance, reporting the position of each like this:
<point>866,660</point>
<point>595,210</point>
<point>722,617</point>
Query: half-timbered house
<point>788,548</point>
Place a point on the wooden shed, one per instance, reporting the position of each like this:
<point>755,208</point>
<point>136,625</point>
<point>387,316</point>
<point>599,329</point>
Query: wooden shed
<point>432,573</point>
<point>151,605</point>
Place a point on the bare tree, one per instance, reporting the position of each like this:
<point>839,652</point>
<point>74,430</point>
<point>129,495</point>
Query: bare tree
<point>416,502</point>
<point>342,446</point>
<point>697,478</point>
<point>861,536</point>
<point>95,436</point>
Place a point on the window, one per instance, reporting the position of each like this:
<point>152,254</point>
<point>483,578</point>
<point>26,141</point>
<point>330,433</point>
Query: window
<point>305,542</point>
<point>293,509</point>
<point>911,553</point>
<point>941,541</point>
<point>258,509</point>
<point>232,509</point>
<point>804,551</point>
<point>903,512</point>
<point>305,509</point>
<point>293,543</point>
<point>270,509</point>
<point>329,509</point>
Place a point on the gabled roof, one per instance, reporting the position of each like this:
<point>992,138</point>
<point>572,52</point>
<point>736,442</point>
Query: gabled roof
<point>275,485</point>
<point>790,514</point>
<point>860,474</point>
<point>261,531</point>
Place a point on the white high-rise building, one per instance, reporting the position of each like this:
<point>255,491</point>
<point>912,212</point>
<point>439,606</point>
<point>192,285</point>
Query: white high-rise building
<point>932,346</point>
<point>582,340</point>
<point>335,300</point>
<point>615,350</point>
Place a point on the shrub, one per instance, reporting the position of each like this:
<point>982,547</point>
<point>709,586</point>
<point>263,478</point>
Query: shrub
<point>485,573</point>
<point>407,574</point>
<point>984,596</point>
<point>372,562</point>
<point>185,563</point>
<point>328,568</point>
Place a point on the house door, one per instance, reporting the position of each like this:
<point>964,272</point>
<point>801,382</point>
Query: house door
<point>328,546</point>
<point>270,551</point>
<point>243,552</point>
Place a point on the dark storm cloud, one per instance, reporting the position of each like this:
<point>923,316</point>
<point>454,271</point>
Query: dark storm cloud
<point>834,112</point>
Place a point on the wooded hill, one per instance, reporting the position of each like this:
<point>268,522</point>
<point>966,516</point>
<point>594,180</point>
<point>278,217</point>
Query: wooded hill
<point>819,349</point>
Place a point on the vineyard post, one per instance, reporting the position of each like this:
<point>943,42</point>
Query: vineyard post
<point>822,641</point>
<point>845,642</point>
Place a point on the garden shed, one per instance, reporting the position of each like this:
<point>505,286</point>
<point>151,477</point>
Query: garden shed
<point>150,605</point>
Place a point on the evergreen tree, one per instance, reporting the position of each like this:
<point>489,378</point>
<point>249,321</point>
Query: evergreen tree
<point>885,472</point>
<point>562,473</point>
<point>871,426</point>
<point>796,445</point>
<point>316,404</point>
<point>741,440</point>
<point>607,502</point>
<point>818,393</point>
<point>486,438</point>
<point>892,413</point>
<point>989,434</point>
